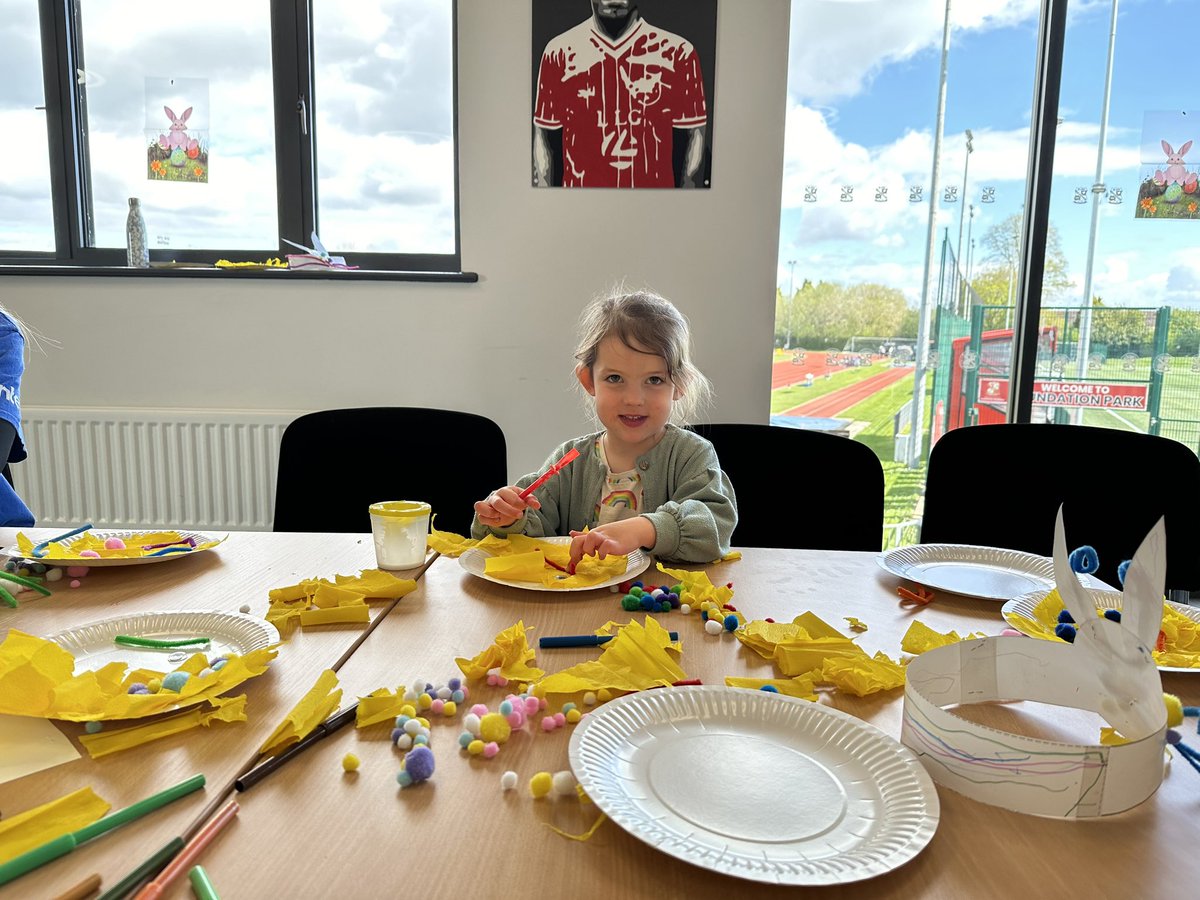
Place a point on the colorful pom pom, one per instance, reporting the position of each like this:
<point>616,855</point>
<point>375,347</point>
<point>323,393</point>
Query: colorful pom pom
<point>89,554</point>
<point>93,727</point>
<point>490,749</point>
<point>494,727</point>
<point>112,543</point>
<point>574,716</point>
<point>1065,616</point>
<point>541,784</point>
<point>1121,570</point>
<point>475,747</point>
<point>1066,632</point>
<point>731,622</point>
<point>769,688</point>
<point>712,626</point>
<point>563,783</point>
<point>350,762</point>
<point>419,763</point>
<point>403,778</point>
<point>589,699</point>
<point>175,681</point>
<point>1113,615</point>
<point>508,780</point>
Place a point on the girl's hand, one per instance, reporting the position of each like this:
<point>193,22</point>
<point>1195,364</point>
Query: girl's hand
<point>616,537</point>
<point>504,506</point>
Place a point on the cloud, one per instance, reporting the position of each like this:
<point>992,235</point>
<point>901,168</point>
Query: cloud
<point>859,39</point>
<point>1183,286</point>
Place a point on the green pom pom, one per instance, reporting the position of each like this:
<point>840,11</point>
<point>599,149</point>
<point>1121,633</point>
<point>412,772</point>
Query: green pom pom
<point>629,603</point>
<point>666,606</point>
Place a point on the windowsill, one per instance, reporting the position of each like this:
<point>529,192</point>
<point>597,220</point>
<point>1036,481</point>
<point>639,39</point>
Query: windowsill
<point>235,273</point>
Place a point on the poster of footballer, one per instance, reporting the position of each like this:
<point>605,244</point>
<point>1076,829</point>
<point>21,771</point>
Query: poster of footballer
<point>623,93</point>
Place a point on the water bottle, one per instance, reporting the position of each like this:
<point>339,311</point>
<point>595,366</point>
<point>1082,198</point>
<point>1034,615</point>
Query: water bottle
<point>137,252</point>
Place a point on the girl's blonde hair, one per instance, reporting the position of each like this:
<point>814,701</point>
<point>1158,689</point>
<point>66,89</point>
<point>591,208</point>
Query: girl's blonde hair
<point>647,323</point>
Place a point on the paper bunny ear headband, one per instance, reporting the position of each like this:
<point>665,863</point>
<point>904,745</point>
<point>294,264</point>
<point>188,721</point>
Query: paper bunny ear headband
<point>1108,670</point>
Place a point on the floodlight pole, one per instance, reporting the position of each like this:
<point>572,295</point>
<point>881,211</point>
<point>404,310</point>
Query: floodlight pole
<point>916,442</point>
<point>1098,191</point>
<point>787,344</point>
<point>962,213</point>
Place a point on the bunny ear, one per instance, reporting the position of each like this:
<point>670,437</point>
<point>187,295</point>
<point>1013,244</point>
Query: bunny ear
<point>1167,148</point>
<point>1185,148</point>
<point>1074,599</point>
<point>1142,606</point>
<point>170,113</point>
<point>187,114</point>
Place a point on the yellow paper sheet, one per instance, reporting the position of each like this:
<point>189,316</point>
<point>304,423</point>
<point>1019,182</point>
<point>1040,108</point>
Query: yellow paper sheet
<point>800,686</point>
<point>29,745</point>
<point>357,613</point>
<point>74,547</point>
<point>762,637</point>
<point>920,637</point>
<point>510,652</point>
<point>448,543</point>
<point>313,709</point>
<point>24,831</point>
<point>800,656</point>
<point>697,587</point>
<point>636,659</point>
<point>381,705</point>
<point>318,601</point>
<point>855,624</point>
<point>862,675</point>
<point>225,709</point>
<point>37,679</point>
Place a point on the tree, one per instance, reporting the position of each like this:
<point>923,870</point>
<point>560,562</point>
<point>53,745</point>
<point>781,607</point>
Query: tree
<point>1003,244</point>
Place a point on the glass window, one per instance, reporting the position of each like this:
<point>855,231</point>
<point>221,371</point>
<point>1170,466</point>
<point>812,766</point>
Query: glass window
<point>26,210</point>
<point>180,113</point>
<point>385,126</point>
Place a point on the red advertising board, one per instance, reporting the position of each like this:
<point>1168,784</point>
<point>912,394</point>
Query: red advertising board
<point>1072,394</point>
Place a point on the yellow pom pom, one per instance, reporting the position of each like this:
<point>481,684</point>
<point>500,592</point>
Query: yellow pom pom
<point>423,722</point>
<point>604,695</point>
<point>424,701</point>
<point>1174,710</point>
<point>155,685</point>
<point>475,747</point>
<point>540,784</point>
<point>350,762</point>
<point>574,715</point>
<point>408,710</point>
<point>494,727</point>
<point>449,708</point>
<point>521,688</point>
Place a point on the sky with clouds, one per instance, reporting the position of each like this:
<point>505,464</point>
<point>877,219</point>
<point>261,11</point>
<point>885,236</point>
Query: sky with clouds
<point>862,100</point>
<point>384,123</point>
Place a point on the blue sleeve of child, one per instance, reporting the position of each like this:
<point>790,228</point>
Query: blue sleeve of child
<point>12,367</point>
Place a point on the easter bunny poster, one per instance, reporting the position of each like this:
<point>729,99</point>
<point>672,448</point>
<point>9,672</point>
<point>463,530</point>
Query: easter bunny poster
<point>177,129</point>
<point>1170,166</point>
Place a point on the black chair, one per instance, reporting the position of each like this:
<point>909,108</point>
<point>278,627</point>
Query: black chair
<point>335,463</point>
<point>800,489</point>
<point>1001,486</point>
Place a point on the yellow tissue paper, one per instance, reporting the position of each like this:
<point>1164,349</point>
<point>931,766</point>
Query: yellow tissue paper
<point>762,637</point>
<point>801,686</point>
<point>1180,634</point>
<point>636,659</point>
<point>380,705</point>
<point>798,656</point>
<point>37,678</point>
<point>448,543</point>
<point>862,675</point>
<point>318,601</point>
<point>920,637</point>
<point>855,624</point>
<point>729,557</point>
<point>697,587</point>
<point>509,652</point>
<point>521,558</point>
<point>72,548</point>
<point>34,827</point>
<point>226,709</point>
<point>313,709</point>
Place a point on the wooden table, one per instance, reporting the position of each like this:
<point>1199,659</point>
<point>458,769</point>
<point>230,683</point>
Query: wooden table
<point>312,831</point>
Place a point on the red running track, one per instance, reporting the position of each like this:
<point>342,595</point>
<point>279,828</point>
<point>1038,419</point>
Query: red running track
<point>833,403</point>
<point>787,373</point>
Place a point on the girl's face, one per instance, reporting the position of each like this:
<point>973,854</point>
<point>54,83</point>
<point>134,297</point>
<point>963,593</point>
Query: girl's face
<point>634,396</point>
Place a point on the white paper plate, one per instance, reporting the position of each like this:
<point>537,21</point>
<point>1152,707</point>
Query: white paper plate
<point>230,633</point>
<point>989,573</point>
<point>1025,604</point>
<point>200,537</point>
<point>758,785</point>
<point>474,560</point>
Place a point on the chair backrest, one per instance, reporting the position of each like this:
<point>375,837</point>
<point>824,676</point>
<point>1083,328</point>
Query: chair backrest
<point>333,464</point>
<point>1001,486</point>
<point>800,489</point>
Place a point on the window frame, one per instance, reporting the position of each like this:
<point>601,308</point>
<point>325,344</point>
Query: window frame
<point>295,98</point>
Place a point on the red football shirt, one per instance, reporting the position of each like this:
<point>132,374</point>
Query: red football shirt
<point>617,103</point>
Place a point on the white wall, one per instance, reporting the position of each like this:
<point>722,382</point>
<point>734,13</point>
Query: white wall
<point>501,347</point>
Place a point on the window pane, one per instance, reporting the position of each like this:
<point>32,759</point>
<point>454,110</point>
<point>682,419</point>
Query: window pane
<point>384,126</point>
<point>26,213</point>
<point>180,114</point>
<point>1128,329</point>
<point>858,262</point>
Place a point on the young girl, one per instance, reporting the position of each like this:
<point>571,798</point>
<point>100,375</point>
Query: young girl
<point>642,481</point>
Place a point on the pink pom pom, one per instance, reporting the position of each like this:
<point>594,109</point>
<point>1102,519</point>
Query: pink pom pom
<point>501,680</point>
<point>77,571</point>
<point>516,719</point>
<point>542,703</point>
<point>548,723</point>
<point>90,554</point>
<point>480,710</point>
<point>465,691</point>
<point>114,543</point>
<point>490,749</point>
<point>560,718</point>
<point>436,707</point>
<point>493,679</point>
<point>75,583</point>
<point>531,705</point>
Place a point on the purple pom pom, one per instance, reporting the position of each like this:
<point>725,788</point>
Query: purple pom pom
<point>419,763</point>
